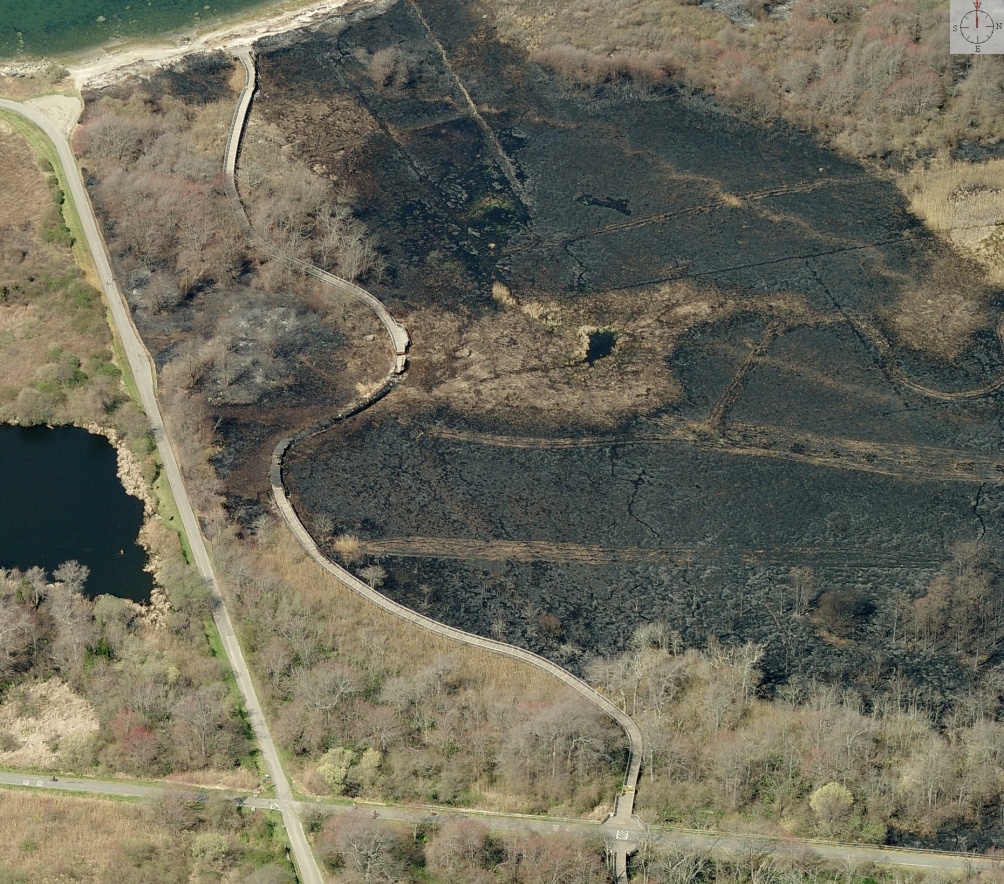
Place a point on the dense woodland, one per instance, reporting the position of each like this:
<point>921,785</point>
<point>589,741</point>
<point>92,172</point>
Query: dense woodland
<point>814,759</point>
<point>356,848</point>
<point>161,700</point>
<point>369,707</point>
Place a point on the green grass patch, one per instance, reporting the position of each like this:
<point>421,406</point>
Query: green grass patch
<point>168,509</point>
<point>123,364</point>
<point>253,761</point>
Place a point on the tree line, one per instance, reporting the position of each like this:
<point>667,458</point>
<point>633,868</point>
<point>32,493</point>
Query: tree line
<point>872,77</point>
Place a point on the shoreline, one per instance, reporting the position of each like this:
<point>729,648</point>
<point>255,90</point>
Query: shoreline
<point>108,64</point>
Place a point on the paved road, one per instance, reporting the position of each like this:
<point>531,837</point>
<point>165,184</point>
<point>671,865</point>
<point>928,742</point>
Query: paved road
<point>681,839</point>
<point>144,374</point>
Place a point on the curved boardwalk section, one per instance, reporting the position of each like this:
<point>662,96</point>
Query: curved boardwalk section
<point>622,816</point>
<point>398,334</point>
<point>625,802</point>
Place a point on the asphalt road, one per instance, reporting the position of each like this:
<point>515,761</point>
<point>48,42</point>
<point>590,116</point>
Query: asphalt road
<point>142,368</point>
<point>735,845</point>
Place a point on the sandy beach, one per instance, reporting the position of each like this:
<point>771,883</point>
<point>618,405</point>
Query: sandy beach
<point>112,64</point>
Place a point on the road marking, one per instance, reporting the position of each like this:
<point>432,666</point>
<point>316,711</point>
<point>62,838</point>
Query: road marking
<point>26,782</point>
<point>38,782</point>
<point>622,835</point>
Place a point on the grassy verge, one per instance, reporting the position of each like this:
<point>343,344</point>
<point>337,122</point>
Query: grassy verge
<point>100,796</point>
<point>32,773</point>
<point>168,509</point>
<point>122,362</point>
<point>253,761</point>
<point>41,144</point>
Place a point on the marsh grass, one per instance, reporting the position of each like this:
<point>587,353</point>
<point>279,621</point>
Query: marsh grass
<point>59,837</point>
<point>348,546</point>
<point>965,203</point>
<point>939,321</point>
<point>360,630</point>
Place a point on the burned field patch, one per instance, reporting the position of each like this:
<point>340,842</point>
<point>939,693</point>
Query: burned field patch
<point>566,545</point>
<point>244,346</point>
<point>754,429</point>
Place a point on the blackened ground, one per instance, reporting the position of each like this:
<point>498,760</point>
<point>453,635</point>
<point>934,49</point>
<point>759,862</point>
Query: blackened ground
<point>793,442</point>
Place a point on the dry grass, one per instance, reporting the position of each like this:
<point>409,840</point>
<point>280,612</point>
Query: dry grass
<point>241,779</point>
<point>939,314</point>
<point>22,87</point>
<point>502,294</point>
<point>965,202</point>
<point>367,632</point>
<point>477,366</point>
<point>210,126</point>
<point>637,25</point>
<point>24,197</point>
<point>36,717</point>
<point>64,838</point>
<point>30,325</point>
<point>349,546</point>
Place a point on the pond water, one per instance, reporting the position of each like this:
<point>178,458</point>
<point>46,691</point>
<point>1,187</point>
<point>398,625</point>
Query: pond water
<point>60,499</point>
<point>601,343</point>
<point>55,27</point>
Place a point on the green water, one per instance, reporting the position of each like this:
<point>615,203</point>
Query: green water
<point>59,27</point>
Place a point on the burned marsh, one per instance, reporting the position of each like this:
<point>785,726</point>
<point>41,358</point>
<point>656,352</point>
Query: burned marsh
<point>665,364</point>
<point>755,422</point>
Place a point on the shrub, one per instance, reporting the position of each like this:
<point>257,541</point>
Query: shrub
<point>33,407</point>
<point>831,803</point>
<point>211,847</point>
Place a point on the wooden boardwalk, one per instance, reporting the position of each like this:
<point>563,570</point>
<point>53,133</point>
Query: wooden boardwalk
<point>622,826</point>
<point>398,334</point>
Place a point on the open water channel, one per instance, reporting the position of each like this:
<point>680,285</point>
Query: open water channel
<point>61,499</point>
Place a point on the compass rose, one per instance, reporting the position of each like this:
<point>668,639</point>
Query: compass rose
<point>976,27</point>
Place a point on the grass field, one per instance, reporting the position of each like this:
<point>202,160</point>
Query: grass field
<point>69,838</point>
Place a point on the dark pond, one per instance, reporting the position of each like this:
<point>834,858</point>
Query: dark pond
<point>60,499</point>
<point>601,343</point>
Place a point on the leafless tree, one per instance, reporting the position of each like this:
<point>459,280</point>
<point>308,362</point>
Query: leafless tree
<point>367,849</point>
<point>325,686</point>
